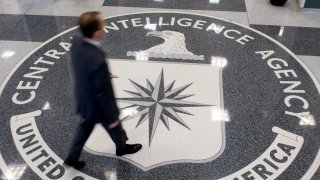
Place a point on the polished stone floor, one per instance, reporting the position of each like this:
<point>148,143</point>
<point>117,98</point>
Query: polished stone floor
<point>236,81</point>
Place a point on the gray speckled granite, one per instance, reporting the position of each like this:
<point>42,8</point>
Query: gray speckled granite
<point>252,95</point>
<point>2,177</point>
<point>300,40</point>
<point>20,49</point>
<point>33,28</point>
<point>226,5</point>
<point>316,175</point>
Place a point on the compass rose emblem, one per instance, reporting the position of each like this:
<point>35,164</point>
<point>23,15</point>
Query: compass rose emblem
<point>158,103</point>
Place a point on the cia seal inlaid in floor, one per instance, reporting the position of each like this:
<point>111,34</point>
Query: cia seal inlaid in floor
<point>207,98</point>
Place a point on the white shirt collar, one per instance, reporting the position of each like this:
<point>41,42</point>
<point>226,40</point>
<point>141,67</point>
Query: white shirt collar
<point>93,42</point>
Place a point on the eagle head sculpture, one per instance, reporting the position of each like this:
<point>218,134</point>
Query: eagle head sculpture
<point>174,43</point>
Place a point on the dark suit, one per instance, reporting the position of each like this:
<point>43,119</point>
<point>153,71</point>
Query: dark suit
<point>94,96</point>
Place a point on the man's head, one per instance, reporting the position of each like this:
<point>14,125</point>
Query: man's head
<point>91,25</point>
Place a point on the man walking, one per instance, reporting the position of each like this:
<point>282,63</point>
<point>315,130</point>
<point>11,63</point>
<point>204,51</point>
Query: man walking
<point>93,89</point>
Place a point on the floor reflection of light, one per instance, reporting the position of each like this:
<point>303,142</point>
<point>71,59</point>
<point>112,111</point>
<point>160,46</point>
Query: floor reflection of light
<point>150,26</point>
<point>281,30</point>
<point>17,170</point>
<point>128,112</point>
<point>46,106</point>
<point>307,121</point>
<point>218,114</point>
<point>9,176</point>
<point>214,1</point>
<point>111,175</point>
<point>216,28</point>
<point>7,54</point>
<point>141,56</point>
<point>218,61</point>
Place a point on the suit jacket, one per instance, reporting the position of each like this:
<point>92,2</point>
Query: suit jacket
<point>93,88</point>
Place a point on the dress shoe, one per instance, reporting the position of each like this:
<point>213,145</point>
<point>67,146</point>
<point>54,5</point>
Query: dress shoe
<point>129,149</point>
<point>77,165</point>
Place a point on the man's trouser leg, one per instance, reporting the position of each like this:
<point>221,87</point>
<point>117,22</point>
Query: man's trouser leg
<point>118,135</point>
<point>80,139</point>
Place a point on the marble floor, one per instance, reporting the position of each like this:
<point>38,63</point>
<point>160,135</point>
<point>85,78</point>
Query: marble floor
<point>238,82</point>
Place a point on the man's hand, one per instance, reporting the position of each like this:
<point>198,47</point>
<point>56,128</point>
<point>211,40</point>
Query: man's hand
<point>114,124</point>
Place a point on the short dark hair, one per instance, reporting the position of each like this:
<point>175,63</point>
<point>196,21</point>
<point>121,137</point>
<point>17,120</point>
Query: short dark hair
<point>89,23</point>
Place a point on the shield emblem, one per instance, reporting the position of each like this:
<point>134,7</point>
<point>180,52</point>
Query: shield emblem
<point>174,110</point>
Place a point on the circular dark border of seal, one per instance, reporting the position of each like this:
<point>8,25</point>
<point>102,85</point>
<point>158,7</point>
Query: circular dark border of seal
<point>315,164</point>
